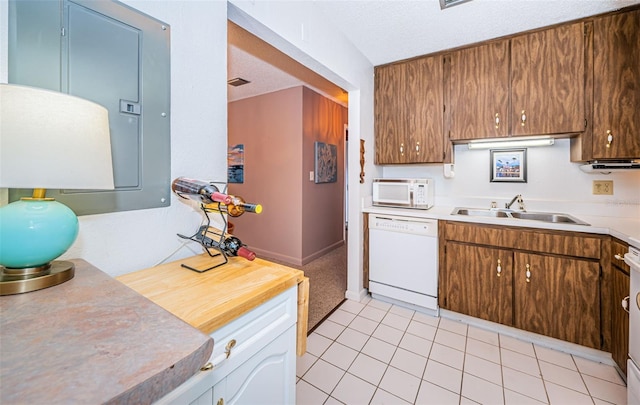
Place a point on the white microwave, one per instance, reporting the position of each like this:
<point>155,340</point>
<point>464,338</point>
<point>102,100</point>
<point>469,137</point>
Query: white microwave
<point>403,193</point>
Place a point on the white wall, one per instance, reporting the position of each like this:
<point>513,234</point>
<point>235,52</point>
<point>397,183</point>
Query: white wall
<point>553,183</point>
<point>4,63</point>
<point>126,241</point>
<point>324,49</point>
<point>123,242</point>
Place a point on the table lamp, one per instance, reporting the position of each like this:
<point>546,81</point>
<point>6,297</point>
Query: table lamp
<point>48,140</point>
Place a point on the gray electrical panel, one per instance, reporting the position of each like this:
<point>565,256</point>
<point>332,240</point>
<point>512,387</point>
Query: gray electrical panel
<point>109,53</point>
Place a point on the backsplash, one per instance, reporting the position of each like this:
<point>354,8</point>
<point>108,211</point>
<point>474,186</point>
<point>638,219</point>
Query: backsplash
<point>554,183</point>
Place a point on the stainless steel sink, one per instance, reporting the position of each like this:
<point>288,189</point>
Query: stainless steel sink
<point>551,217</point>
<point>479,212</point>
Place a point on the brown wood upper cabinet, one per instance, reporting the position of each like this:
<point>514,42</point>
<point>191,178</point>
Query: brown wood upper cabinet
<point>479,91</point>
<point>616,86</point>
<point>409,112</point>
<point>531,84</point>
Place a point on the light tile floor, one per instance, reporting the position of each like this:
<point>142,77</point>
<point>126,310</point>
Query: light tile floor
<point>372,352</point>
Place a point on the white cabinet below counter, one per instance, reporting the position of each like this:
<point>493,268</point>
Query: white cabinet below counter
<point>253,359</point>
<point>256,313</point>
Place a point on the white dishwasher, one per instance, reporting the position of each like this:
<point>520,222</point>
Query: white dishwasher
<point>403,259</point>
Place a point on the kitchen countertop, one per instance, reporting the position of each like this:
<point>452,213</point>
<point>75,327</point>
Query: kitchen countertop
<point>625,229</point>
<point>93,340</point>
<point>214,298</point>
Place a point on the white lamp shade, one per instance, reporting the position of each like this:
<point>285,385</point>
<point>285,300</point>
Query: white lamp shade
<point>53,140</point>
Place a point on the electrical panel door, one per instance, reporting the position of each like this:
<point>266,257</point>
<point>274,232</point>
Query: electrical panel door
<point>111,54</point>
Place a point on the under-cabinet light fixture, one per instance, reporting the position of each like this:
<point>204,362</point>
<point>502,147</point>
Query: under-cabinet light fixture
<point>510,143</point>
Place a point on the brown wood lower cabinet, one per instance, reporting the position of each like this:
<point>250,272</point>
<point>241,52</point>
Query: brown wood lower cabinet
<point>475,286</point>
<point>619,316</point>
<point>515,277</point>
<point>558,297</point>
<point>620,320</point>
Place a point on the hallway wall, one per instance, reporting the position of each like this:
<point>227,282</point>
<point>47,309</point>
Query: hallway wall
<point>278,131</point>
<point>323,208</point>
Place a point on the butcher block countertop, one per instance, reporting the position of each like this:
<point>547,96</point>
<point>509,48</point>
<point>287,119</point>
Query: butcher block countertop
<point>212,299</point>
<point>92,340</point>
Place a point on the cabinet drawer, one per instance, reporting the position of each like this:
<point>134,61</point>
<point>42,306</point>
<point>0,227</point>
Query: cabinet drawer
<point>618,249</point>
<point>252,332</point>
<point>237,341</point>
<point>536,240</point>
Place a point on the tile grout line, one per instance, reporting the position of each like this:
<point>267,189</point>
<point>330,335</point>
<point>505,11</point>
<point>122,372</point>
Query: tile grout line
<point>421,379</point>
<point>544,382</point>
<point>358,352</point>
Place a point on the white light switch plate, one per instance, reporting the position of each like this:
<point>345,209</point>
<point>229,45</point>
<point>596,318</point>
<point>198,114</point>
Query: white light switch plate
<point>311,176</point>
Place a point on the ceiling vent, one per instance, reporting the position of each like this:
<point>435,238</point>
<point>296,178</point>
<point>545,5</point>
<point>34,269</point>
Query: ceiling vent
<point>450,3</point>
<point>238,81</point>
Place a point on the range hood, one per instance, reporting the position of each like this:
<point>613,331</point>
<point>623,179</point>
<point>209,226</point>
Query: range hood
<point>609,166</point>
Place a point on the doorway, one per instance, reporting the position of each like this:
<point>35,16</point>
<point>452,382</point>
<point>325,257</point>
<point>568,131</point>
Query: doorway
<point>267,70</point>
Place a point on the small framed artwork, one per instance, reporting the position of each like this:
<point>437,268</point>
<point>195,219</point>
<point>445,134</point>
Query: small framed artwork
<point>509,165</point>
<point>235,164</point>
<point>326,163</point>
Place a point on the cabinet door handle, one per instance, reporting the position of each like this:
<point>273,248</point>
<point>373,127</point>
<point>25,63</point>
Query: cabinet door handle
<point>497,120</point>
<point>417,148</point>
<point>528,273</point>
<point>229,346</point>
<point>220,401</point>
<point>499,268</point>
<point>609,138</point>
<point>625,303</point>
<point>402,148</point>
<point>618,256</point>
<point>209,366</point>
<point>523,118</point>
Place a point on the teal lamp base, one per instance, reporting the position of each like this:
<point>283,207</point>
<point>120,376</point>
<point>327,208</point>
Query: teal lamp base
<point>34,232</point>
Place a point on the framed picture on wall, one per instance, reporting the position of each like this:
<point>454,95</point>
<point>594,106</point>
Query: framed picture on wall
<point>326,163</point>
<point>235,164</point>
<point>508,165</point>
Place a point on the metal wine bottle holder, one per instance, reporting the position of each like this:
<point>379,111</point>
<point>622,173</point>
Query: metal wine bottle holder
<point>214,243</point>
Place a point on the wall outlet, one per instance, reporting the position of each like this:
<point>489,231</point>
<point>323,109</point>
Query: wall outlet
<point>602,187</point>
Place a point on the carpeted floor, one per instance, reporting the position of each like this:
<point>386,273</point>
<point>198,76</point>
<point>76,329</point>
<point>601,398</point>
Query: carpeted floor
<point>327,283</point>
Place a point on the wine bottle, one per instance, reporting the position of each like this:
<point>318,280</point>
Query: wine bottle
<point>239,206</point>
<point>230,245</point>
<point>199,190</point>
<point>236,207</point>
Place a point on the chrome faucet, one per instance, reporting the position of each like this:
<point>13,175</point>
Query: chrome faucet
<point>520,202</point>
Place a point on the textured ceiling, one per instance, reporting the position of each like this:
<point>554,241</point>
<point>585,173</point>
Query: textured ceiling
<point>268,69</point>
<point>389,30</point>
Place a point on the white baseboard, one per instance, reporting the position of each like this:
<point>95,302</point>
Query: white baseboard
<point>356,295</point>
